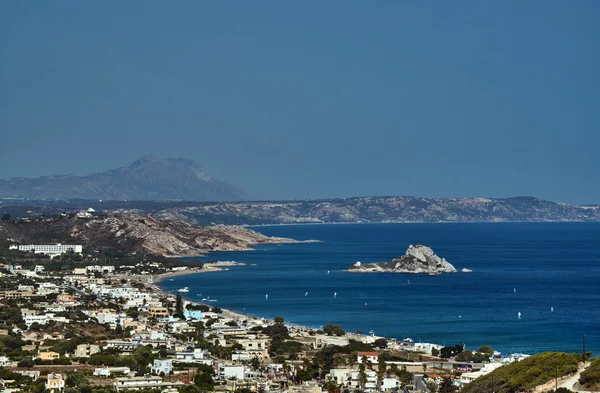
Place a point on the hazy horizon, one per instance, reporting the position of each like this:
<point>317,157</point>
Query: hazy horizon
<point>311,100</point>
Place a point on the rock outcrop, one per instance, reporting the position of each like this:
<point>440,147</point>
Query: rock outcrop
<point>417,260</point>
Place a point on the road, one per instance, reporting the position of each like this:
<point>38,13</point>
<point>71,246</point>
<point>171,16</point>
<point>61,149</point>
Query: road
<point>570,382</point>
<point>420,385</point>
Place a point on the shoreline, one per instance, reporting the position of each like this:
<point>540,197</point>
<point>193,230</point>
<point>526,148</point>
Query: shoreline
<point>410,222</point>
<point>233,314</point>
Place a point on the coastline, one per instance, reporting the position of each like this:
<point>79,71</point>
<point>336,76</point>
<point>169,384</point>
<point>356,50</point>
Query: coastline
<point>231,313</point>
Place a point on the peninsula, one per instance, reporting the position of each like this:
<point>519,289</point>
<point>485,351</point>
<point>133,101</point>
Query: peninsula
<point>417,260</point>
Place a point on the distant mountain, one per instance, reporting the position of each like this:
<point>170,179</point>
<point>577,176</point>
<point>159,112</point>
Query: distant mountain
<point>148,178</point>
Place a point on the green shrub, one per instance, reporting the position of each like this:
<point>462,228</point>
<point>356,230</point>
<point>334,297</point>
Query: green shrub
<point>525,374</point>
<point>591,375</point>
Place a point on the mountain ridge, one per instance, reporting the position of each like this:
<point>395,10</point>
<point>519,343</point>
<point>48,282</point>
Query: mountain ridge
<point>147,178</point>
<point>349,210</point>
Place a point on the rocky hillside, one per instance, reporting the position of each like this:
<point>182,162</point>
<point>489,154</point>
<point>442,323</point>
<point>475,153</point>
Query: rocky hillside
<point>418,260</point>
<point>362,209</point>
<point>135,233</point>
<point>383,209</point>
<point>149,178</point>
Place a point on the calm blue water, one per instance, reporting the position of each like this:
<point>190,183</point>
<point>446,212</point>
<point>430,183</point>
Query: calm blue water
<point>550,265</point>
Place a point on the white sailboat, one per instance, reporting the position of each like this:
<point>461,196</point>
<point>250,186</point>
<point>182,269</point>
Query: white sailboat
<point>267,297</point>
<point>519,315</point>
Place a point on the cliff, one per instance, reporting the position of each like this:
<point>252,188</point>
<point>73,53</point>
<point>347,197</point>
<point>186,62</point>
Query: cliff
<point>135,233</point>
<point>417,260</point>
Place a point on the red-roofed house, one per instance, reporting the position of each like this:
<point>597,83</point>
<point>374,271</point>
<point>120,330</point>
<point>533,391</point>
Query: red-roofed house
<point>367,356</point>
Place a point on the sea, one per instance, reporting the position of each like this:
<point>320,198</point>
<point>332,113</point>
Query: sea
<point>547,272</point>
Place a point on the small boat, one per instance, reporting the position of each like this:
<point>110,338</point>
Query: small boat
<point>551,309</point>
<point>465,270</point>
<point>306,294</point>
<point>170,279</point>
<point>519,315</point>
<point>183,290</point>
<point>212,300</point>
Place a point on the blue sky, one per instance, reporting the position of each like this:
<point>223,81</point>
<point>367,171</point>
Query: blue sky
<point>295,99</point>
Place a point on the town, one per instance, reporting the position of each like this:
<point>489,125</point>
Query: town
<point>79,321</point>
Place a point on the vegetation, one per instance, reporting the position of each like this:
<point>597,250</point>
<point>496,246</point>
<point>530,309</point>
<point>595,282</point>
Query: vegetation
<point>448,352</point>
<point>525,374</point>
<point>203,380</point>
<point>446,386</point>
<point>591,376</point>
<point>469,356</point>
<point>333,330</point>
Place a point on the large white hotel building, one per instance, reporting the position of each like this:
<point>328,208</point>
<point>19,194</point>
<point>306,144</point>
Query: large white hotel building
<point>50,249</point>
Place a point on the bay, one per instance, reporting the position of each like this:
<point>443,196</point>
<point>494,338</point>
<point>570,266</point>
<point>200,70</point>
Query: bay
<point>547,264</point>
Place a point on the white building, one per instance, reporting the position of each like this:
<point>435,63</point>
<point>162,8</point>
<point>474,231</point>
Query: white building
<point>50,249</point>
<point>162,366</point>
<point>390,384</point>
<point>109,371</point>
<point>470,377</point>
<point>43,319</point>
<point>228,372</point>
<point>135,383</point>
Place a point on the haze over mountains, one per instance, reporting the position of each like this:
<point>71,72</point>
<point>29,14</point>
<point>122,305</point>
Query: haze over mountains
<point>179,189</point>
<point>148,178</point>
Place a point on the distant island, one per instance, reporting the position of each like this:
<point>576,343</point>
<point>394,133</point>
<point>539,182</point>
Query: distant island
<point>389,209</point>
<point>417,260</point>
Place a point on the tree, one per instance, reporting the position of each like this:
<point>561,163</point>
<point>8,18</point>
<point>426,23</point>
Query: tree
<point>255,363</point>
<point>331,330</point>
<point>179,307</point>
<point>448,352</point>
<point>362,375</point>
<point>203,380</point>
<point>434,351</point>
<point>424,368</point>
<point>5,217</point>
<point>486,349</point>
<point>464,356</point>
<point>279,320</point>
<point>380,343</point>
<point>432,387</point>
<point>381,370</point>
<point>446,386</point>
